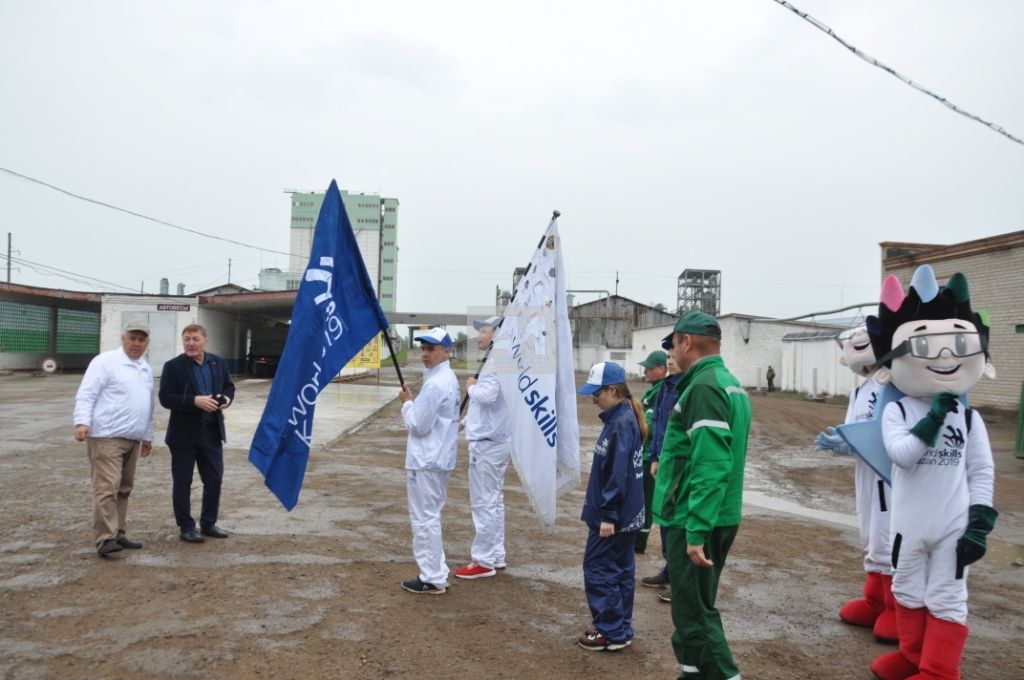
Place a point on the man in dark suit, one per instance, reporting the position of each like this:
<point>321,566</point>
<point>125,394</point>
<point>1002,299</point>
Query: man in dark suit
<point>196,387</point>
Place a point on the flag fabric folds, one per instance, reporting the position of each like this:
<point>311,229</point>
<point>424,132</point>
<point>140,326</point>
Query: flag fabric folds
<point>336,313</point>
<point>532,357</point>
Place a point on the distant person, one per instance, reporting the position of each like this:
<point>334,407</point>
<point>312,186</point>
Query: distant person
<point>613,510</point>
<point>698,495</point>
<point>664,401</point>
<point>655,368</point>
<point>432,419</point>
<point>114,415</point>
<point>771,379</point>
<point>490,446</point>
<point>196,387</point>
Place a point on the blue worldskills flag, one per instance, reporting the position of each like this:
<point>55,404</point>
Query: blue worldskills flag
<point>336,313</point>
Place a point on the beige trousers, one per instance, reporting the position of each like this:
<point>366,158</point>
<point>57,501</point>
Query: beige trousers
<point>113,472</point>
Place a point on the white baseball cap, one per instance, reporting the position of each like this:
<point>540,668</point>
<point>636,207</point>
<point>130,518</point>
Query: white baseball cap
<point>491,321</point>
<point>435,336</point>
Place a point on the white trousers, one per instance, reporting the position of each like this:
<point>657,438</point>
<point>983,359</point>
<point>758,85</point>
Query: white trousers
<point>925,576</point>
<point>488,462</point>
<point>428,492</point>
<point>872,496</point>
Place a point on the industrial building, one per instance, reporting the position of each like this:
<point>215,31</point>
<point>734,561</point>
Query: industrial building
<point>603,330</point>
<point>375,223</point>
<point>70,327</point>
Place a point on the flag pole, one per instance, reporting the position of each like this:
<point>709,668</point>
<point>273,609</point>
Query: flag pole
<point>394,358</point>
<point>555,214</point>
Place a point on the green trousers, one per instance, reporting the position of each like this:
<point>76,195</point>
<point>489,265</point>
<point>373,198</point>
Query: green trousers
<point>643,534</point>
<point>699,639</point>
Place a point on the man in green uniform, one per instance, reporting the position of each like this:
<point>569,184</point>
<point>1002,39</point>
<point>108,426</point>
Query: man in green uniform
<point>698,493</point>
<point>655,367</point>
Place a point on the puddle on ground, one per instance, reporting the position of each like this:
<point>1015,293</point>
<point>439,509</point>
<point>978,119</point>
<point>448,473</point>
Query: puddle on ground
<point>761,500</point>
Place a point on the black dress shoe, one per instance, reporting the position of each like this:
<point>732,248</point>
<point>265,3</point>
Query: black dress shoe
<point>192,536</point>
<point>109,546</point>
<point>214,532</point>
<point>128,544</point>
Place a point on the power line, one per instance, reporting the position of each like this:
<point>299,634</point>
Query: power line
<point>139,215</point>
<point>64,274</point>
<point>888,69</point>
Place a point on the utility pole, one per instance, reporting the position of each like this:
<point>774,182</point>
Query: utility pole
<point>8,257</point>
<point>616,282</point>
<point>229,270</point>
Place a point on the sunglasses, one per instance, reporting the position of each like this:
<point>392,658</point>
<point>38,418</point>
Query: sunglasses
<point>960,344</point>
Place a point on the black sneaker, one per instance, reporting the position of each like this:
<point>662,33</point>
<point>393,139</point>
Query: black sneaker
<point>128,544</point>
<point>420,588</point>
<point>659,580</point>
<point>109,546</point>
<point>665,596</point>
<point>595,642</point>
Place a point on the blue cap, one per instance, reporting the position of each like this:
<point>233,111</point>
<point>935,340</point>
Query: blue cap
<point>601,375</point>
<point>435,336</point>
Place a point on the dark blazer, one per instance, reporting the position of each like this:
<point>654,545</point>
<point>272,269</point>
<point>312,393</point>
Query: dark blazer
<point>178,390</point>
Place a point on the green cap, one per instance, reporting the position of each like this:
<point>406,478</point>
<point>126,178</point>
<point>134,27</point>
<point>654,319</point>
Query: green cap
<point>694,322</point>
<point>655,359</point>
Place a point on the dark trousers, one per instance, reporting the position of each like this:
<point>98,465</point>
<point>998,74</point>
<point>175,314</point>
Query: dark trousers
<point>664,551</point>
<point>609,577</point>
<point>208,456</point>
<point>642,535</point>
<point>699,639</point>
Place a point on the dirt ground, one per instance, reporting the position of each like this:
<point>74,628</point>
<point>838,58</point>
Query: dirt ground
<point>314,593</point>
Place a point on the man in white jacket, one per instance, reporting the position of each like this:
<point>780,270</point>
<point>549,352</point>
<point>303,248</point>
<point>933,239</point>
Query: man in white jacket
<point>114,414</point>
<point>432,419</point>
<point>487,431</point>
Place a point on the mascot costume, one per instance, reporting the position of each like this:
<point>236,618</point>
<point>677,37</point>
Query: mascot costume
<point>876,610</point>
<point>933,348</point>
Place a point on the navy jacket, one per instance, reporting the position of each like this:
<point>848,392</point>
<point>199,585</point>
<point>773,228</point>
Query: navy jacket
<point>663,405</point>
<point>615,492</point>
<point>178,389</point>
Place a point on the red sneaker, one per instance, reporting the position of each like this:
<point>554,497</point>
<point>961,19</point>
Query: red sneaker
<point>595,642</point>
<point>474,570</point>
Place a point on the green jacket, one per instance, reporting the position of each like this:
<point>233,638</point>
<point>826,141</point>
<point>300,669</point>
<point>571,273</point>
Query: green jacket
<point>648,403</point>
<point>700,477</point>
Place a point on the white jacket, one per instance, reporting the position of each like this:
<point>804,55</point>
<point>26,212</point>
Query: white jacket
<point>487,417</point>
<point>115,398</point>
<point>933,486</point>
<point>432,419</point>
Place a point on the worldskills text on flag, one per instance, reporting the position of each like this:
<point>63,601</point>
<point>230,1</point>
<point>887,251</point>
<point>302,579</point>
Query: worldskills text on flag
<point>532,357</point>
<point>336,313</point>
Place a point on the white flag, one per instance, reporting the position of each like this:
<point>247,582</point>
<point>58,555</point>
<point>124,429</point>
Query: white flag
<point>532,357</point>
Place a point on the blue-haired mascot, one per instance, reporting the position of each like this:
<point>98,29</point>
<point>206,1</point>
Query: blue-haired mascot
<point>876,609</point>
<point>933,348</point>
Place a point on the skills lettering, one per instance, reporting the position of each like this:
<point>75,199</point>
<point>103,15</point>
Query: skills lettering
<point>546,418</point>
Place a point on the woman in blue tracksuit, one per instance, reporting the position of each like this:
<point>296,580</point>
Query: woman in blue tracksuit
<point>613,509</point>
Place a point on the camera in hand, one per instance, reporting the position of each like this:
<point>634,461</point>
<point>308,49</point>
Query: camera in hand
<point>222,401</point>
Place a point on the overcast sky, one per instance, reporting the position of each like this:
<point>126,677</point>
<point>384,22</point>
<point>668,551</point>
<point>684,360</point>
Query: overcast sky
<point>671,135</point>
